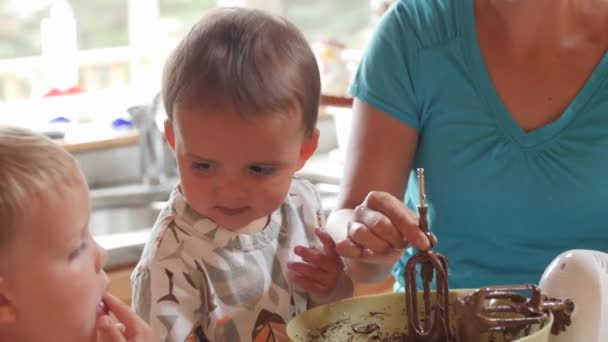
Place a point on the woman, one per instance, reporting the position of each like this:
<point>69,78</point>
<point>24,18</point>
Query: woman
<point>505,105</point>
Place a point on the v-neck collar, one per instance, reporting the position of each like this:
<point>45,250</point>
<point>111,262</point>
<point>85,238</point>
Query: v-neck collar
<point>497,107</point>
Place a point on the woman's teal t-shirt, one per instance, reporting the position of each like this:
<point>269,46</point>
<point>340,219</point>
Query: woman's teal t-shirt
<point>503,202</point>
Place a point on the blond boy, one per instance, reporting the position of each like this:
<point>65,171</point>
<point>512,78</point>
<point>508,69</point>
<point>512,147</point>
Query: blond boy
<point>52,283</point>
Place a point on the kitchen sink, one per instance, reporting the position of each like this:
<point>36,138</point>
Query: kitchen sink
<point>126,208</point>
<point>122,217</point>
<point>123,231</point>
<point>131,195</point>
<point>122,220</point>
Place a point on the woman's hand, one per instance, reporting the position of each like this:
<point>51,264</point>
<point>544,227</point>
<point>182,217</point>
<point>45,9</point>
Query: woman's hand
<point>380,226</point>
<point>321,271</point>
<point>128,328</point>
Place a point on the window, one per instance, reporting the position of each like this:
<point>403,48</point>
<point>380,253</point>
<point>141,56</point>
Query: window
<point>178,16</point>
<point>20,27</point>
<point>123,43</point>
<point>343,20</point>
<point>106,40</point>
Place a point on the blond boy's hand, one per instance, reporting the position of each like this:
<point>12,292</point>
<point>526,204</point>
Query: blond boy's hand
<point>129,328</point>
<point>321,271</point>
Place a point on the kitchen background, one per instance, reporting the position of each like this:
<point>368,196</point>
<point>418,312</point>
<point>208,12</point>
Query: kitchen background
<point>87,73</point>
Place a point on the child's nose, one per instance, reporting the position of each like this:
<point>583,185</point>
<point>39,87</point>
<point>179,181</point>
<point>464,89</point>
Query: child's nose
<point>231,189</point>
<point>102,258</point>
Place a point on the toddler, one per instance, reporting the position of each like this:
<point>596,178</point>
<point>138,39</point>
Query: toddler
<point>237,251</point>
<point>52,283</point>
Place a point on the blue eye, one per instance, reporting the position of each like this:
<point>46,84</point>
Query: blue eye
<point>202,166</point>
<point>261,170</point>
<point>77,251</point>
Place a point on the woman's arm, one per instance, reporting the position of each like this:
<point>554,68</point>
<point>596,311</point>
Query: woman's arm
<point>370,222</point>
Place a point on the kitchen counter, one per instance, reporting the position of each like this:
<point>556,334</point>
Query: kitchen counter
<point>117,140</point>
<point>125,249</point>
<point>88,137</point>
<point>323,168</point>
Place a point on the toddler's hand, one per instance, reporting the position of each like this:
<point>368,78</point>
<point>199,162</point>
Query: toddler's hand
<point>129,328</point>
<point>321,271</point>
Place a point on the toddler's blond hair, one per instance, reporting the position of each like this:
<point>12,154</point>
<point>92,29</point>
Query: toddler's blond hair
<point>30,165</point>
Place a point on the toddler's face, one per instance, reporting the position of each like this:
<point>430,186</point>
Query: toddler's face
<point>55,280</point>
<point>233,170</point>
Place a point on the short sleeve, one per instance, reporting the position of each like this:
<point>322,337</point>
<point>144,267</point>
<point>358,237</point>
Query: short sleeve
<point>385,76</point>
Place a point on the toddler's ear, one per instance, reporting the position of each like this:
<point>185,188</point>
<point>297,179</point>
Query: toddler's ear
<point>8,314</point>
<point>309,146</point>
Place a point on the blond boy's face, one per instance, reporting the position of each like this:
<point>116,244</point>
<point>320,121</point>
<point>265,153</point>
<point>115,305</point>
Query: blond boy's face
<point>55,279</point>
<point>235,171</point>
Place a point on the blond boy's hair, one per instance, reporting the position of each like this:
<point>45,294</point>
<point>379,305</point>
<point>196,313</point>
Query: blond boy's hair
<point>244,60</point>
<point>30,165</point>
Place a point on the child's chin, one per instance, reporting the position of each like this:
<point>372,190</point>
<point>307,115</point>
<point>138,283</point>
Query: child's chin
<point>237,228</point>
<point>234,224</point>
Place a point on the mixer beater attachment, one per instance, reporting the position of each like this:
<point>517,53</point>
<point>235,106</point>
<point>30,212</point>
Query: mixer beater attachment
<point>436,324</point>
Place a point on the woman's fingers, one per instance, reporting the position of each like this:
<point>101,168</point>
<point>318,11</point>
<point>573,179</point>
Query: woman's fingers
<point>121,327</point>
<point>134,327</point>
<point>403,219</point>
<point>363,236</point>
<point>122,312</point>
<point>379,225</point>
<point>109,331</point>
<point>348,249</point>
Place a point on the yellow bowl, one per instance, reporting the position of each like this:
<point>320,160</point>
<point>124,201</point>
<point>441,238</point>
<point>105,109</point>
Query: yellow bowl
<point>388,312</point>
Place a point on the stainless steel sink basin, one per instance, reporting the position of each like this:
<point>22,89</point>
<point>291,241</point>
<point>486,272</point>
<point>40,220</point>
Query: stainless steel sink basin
<point>122,220</point>
<point>126,208</point>
<point>123,232</point>
<point>133,195</point>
